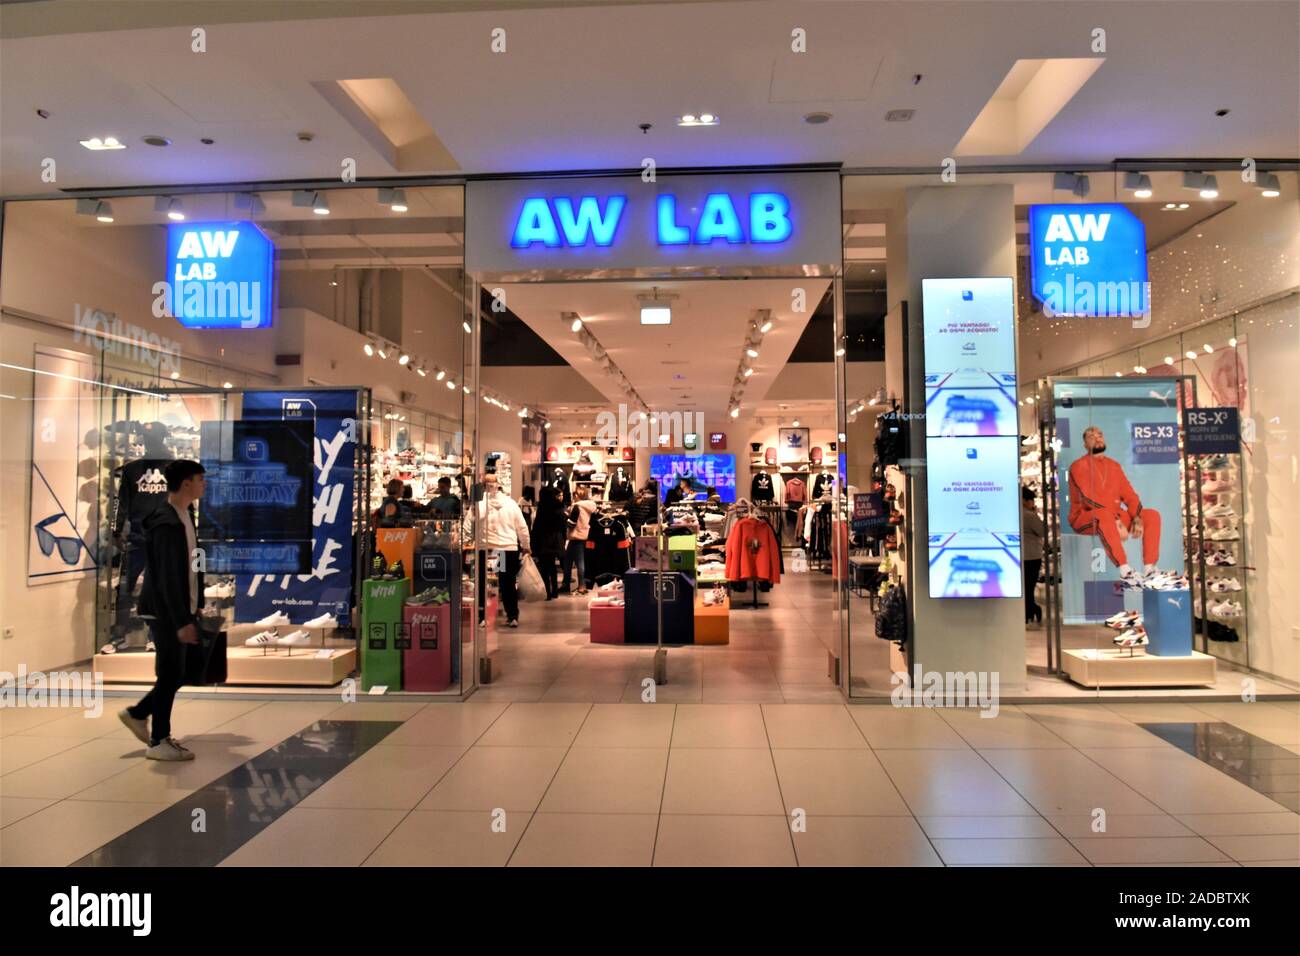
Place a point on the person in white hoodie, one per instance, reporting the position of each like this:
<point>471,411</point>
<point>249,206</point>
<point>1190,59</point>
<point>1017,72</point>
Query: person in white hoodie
<point>505,530</point>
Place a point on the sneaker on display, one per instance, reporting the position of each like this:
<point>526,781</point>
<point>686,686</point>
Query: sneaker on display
<point>1223,510</point>
<point>1131,580</point>
<point>1225,609</point>
<point>396,569</point>
<point>1223,534</point>
<point>262,639</point>
<point>1221,559</point>
<point>1221,585</point>
<point>109,648</point>
<point>149,647</point>
<point>220,591</point>
<point>168,749</point>
<point>1166,581</point>
<point>1215,486</point>
<point>274,620</point>
<point>378,566</point>
<point>294,638</point>
<point>1124,620</point>
<point>1134,637</point>
<point>1216,461</point>
<point>323,620</point>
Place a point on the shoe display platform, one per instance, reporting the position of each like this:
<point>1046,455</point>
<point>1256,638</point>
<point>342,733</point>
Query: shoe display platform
<point>246,665</point>
<point>1116,667</point>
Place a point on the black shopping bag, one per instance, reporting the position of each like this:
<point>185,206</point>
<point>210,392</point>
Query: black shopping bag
<point>205,662</point>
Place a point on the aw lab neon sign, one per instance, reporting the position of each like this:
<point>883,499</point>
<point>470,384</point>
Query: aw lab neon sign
<point>563,222</point>
<point>1088,260</point>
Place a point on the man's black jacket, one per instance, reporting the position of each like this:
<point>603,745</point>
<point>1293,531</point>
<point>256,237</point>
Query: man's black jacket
<point>165,594</point>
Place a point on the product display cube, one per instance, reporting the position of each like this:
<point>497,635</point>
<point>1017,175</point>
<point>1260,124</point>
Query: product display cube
<point>1167,616</point>
<point>640,621</point>
<point>435,568</point>
<point>606,624</point>
<point>712,623</point>
<point>426,664</point>
<point>381,630</point>
<point>397,544</point>
<point>681,553</point>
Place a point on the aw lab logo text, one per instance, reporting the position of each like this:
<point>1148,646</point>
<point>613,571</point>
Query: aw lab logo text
<point>75,909</point>
<point>1088,260</point>
<point>219,275</point>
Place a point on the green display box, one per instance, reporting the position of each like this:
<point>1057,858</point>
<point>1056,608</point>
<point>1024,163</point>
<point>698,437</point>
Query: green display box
<point>382,632</point>
<point>681,553</point>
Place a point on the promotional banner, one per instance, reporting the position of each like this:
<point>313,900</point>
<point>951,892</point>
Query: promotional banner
<point>64,487</point>
<point>327,587</point>
<point>718,471</point>
<point>257,510</point>
<point>1088,260</point>
<point>973,441</point>
<point>1118,463</point>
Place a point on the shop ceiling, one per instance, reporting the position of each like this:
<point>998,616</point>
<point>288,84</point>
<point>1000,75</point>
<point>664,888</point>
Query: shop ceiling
<point>686,366</point>
<point>575,82</point>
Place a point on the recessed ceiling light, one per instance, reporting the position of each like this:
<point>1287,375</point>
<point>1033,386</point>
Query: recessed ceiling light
<point>816,119</point>
<point>155,140</point>
<point>748,372</point>
<point>766,327</point>
<point>1232,342</point>
<point>703,119</point>
<point>752,352</point>
<point>735,413</point>
<point>796,423</point>
<point>1183,205</point>
<point>576,325</point>
<point>368,349</point>
<point>441,375</point>
<point>227,384</point>
<point>451,384</point>
<point>1208,348</point>
<point>96,144</point>
<point>175,375</point>
<point>1169,360</point>
<point>403,359</point>
<point>899,116</point>
<point>1191,354</point>
<point>468,330</point>
<point>207,140</point>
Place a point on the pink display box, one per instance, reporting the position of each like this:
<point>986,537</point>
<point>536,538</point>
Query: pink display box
<point>426,664</point>
<point>606,625</point>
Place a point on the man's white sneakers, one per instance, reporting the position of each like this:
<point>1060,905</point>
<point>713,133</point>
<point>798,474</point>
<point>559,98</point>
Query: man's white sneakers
<point>262,639</point>
<point>274,620</point>
<point>168,749</point>
<point>137,725</point>
<point>294,639</point>
<point>324,620</point>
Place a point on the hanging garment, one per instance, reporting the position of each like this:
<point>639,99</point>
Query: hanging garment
<point>620,489</point>
<point>796,492</point>
<point>609,547</point>
<point>824,485</point>
<point>760,489</point>
<point>753,551</point>
<point>891,619</point>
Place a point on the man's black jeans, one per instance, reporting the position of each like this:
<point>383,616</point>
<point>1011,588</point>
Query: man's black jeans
<point>169,668</point>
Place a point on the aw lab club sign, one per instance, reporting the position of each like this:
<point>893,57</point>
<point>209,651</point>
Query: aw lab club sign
<point>1089,260</point>
<point>220,275</point>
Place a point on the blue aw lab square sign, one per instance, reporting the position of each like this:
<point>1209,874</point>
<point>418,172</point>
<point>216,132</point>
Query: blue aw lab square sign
<point>1088,260</point>
<point>220,275</point>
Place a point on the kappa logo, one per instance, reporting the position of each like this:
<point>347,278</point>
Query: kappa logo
<point>151,482</point>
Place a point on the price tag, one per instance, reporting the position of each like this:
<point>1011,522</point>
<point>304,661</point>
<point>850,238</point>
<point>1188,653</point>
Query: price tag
<point>325,653</point>
<point>379,690</point>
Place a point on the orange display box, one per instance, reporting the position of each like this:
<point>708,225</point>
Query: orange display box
<point>712,624</point>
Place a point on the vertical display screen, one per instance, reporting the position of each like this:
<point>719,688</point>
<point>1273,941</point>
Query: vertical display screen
<point>972,438</point>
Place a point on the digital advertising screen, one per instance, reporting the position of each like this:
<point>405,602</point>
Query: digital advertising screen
<point>972,438</point>
<point>703,471</point>
<point>970,357</point>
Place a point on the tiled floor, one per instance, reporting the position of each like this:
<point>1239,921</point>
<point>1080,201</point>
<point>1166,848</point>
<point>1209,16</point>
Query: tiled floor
<point>493,783</point>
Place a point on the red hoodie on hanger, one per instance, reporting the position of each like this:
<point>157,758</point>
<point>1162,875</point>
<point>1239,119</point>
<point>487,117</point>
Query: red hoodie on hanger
<point>753,551</point>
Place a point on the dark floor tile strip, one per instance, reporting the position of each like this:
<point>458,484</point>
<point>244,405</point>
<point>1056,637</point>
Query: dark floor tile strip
<point>1263,766</point>
<point>244,802</point>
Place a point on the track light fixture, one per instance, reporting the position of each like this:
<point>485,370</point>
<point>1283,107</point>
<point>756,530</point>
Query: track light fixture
<point>1139,184</point>
<point>1268,185</point>
<point>1072,182</point>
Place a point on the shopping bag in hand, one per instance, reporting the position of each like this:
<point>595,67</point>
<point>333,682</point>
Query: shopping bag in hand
<point>529,579</point>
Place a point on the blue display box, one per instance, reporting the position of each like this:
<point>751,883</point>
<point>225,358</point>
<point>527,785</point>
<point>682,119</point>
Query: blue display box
<point>1167,616</point>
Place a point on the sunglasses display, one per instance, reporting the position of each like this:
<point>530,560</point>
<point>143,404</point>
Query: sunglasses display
<point>69,547</point>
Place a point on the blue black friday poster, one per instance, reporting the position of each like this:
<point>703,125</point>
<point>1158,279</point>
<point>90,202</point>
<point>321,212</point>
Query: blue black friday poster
<point>327,588</point>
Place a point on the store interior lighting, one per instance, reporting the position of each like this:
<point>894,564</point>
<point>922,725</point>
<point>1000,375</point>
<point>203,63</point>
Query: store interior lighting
<point>171,206</point>
<point>1072,182</point>
<point>248,202</point>
<point>394,199</point>
<point>95,144</point>
<point>1268,185</point>
<point>1206,186</point>
<point>656,309</point>
<point>1139,184</point>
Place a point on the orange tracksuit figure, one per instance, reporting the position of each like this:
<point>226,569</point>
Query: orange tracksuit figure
<point>1100,496</point>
